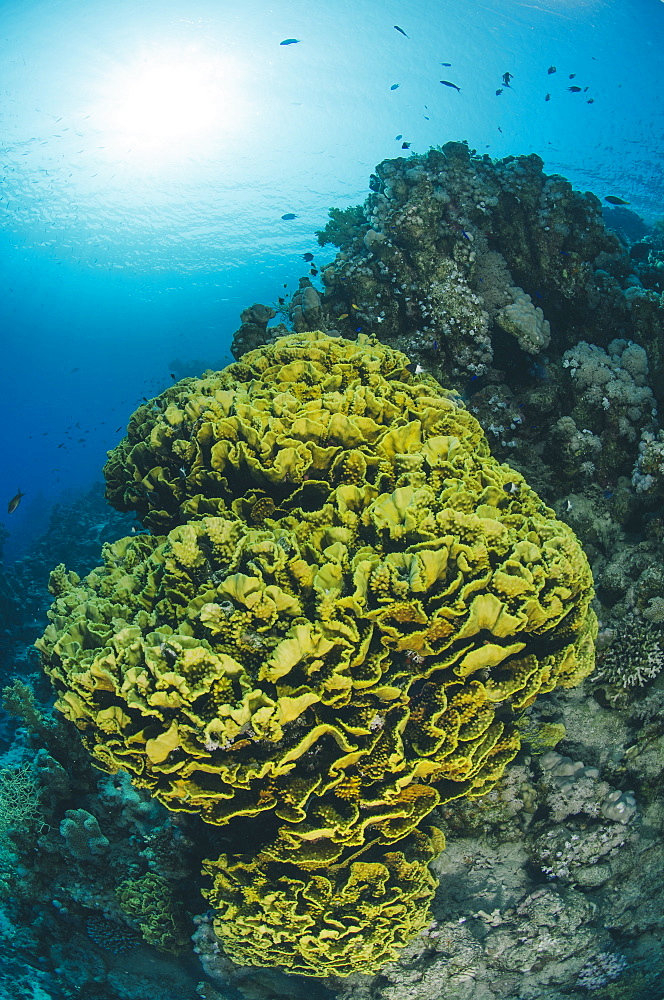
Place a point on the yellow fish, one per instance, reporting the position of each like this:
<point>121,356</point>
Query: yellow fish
<point>343,316</point>
<point>14,502</point>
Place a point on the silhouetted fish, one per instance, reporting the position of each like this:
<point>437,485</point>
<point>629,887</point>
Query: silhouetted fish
<point>307,256</point>
<point>395,86</point>
<point>446,83</point>
<point>14,502</point>
<point>397,28</point>
<point>288,216</point>
<point>290,41</point>
<point>575,90</point>
<point>613,200</point>
<point>551,69</point>
<point>506,78</point>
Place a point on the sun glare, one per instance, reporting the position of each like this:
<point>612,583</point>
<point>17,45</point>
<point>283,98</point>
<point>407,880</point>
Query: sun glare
<point>168,100</point>
<point>158,101</point>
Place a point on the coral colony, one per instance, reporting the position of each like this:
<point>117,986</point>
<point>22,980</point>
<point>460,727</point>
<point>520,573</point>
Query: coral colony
<point>334,635</point>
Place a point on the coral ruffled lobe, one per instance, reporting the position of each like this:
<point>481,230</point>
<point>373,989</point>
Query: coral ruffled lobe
<point>349,605</point>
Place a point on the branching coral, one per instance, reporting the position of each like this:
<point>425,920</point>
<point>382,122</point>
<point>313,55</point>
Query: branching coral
<point>351,602</point>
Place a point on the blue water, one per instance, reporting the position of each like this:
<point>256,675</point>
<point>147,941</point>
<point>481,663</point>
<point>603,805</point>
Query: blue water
<point>149,152</point>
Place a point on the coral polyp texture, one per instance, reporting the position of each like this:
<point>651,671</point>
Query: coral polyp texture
<point>351,603</point>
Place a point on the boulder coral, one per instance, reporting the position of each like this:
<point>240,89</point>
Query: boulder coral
<point>350,603</point>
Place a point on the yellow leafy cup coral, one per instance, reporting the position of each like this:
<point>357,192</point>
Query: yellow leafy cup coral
<point>351,604</point>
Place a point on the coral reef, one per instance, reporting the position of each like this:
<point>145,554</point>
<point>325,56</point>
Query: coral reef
<point>76,532</point>
<point>70,842</point>
<point>352,601</point>
<point>551,881</point>
<point>150,905</point>
<point>506,285</point>
<point>253,331</point>
<point>632,655</point>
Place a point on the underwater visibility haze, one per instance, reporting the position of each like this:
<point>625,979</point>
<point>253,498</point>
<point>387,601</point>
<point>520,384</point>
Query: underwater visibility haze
<point>332,580</point>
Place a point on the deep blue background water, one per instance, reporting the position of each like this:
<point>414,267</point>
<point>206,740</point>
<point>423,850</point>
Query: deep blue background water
<point>137,224</point>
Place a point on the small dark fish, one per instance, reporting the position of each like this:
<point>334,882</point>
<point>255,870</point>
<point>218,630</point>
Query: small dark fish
<point>613,200</point>
<point>174,377</point>
<point>401,31</point>
<point>548,97</point>
<point>446,83</point>
<point>586,89</point>
<point>426,118</point>
<point>499,92</point>
<point>313,271</point>
<point>507,77</point>
<point>446,64</point>
<point>397,138</point>
<point>574,90</point>
<point>307,256</point>
<point>395,86</point>
<point>145,399</point>
<point>591,100</point>
<point>290,41</point>
<point>607,494</point>
<point>281,301</point>
<point>406,145</point>
<point>572,75</point>
<point>551,69</point>
<point>118,429</point>
<point>288,216</point>
<point>74,370</point>
<point>499,129</point>
<point>14,502</point>
<point>61,445</point>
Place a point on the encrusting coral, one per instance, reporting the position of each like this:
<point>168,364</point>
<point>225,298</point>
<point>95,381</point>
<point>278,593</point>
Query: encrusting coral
<point>352,601</point>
